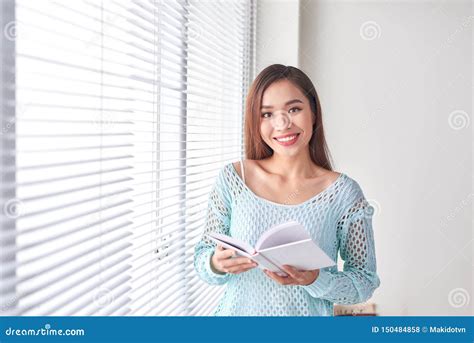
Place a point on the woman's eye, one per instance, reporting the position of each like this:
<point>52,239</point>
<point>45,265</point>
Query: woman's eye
<point>294,108</point>
<point>264,115</point>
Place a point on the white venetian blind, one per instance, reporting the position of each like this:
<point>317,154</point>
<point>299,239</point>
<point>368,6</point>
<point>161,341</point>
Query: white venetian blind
<point>220,54</point>
<point>115,124</point>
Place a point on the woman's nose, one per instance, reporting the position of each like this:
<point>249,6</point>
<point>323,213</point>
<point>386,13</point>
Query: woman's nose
<point>281,120</point>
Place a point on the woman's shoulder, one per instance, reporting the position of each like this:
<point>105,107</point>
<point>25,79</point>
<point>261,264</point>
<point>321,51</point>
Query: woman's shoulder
<point>330,176</point>
<point>229,170</point>
<point>349,186</point>
<point>236,166</point>
<point>352,197</point>
<point>341,183</point>
<point>249,166</point>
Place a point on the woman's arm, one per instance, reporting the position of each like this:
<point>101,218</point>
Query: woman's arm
<point>217,220</point>
<point>358,280</point>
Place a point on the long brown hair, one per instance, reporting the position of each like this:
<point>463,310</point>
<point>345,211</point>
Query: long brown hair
<point>255,146</point>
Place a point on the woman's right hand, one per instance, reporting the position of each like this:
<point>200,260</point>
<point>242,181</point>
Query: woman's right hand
<point>221,261</point>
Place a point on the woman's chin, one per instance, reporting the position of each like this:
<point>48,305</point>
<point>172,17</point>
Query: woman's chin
<point>285,151</point>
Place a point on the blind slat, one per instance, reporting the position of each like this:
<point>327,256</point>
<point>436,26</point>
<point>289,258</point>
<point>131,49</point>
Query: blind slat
<point>118,116</point>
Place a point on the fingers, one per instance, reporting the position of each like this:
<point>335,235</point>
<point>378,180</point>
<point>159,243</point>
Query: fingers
<point>238,264</point>
<point>283,280</point>
<point>234,265</point>
<point>293,272</point>
<point>302,277</point>
<point>222,253</point>
<point>241,268</point>
<point>236,261</point>
<point>295,276</point>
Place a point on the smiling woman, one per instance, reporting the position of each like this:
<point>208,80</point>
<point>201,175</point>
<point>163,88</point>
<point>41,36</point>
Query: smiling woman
<point>284,90</point>
<point>287,176</point>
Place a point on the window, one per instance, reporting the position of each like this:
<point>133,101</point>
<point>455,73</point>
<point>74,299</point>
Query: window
<point>116,118</point>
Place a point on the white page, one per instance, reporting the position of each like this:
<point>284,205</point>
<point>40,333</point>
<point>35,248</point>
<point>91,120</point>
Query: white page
<point>231,243</point>
<point>263,263</point>
<point>282,234</point>
<point>303,255</point>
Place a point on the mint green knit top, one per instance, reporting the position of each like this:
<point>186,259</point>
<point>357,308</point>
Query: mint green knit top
<point>339,220</point>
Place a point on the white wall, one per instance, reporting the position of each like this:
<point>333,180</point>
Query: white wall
<point>277,33</point>
<point>395,83</point>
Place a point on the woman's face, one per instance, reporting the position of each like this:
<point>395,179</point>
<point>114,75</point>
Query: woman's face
<point>286,112</point>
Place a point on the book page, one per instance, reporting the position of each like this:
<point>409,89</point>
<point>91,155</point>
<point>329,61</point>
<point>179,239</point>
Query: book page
<point>288,232</point>
<point>303,255</point>
<point>232,243</point>
<point>264,263</point>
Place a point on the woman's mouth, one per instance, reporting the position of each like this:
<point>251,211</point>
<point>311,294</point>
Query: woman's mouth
<point>287,140</point>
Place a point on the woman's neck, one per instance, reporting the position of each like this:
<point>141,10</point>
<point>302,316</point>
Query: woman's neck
<point>292,168</point>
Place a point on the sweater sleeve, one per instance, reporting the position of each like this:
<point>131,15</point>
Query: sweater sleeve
<point>217,220</point>
<point>358,280</point>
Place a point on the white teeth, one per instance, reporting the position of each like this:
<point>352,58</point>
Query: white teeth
<point>286,139</point>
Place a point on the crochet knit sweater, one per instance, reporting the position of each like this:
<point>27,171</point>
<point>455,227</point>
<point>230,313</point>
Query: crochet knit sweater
<point>339,219</point>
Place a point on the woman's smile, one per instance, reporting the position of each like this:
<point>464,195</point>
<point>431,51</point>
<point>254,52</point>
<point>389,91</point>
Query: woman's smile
<point>287,140</point>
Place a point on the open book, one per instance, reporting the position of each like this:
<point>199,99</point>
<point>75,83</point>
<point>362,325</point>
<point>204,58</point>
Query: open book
<point>286,243</point>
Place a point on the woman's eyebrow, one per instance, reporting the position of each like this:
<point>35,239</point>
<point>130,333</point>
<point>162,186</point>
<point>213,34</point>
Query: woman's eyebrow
<point>287,103</point>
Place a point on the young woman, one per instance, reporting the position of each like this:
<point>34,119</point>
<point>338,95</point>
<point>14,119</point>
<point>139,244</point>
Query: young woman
<point>287,176</point>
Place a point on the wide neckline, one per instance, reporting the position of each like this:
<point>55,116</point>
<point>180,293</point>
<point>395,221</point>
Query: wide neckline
<point>328,188</point>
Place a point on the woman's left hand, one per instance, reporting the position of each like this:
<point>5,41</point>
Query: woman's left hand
<point>295,276</point>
